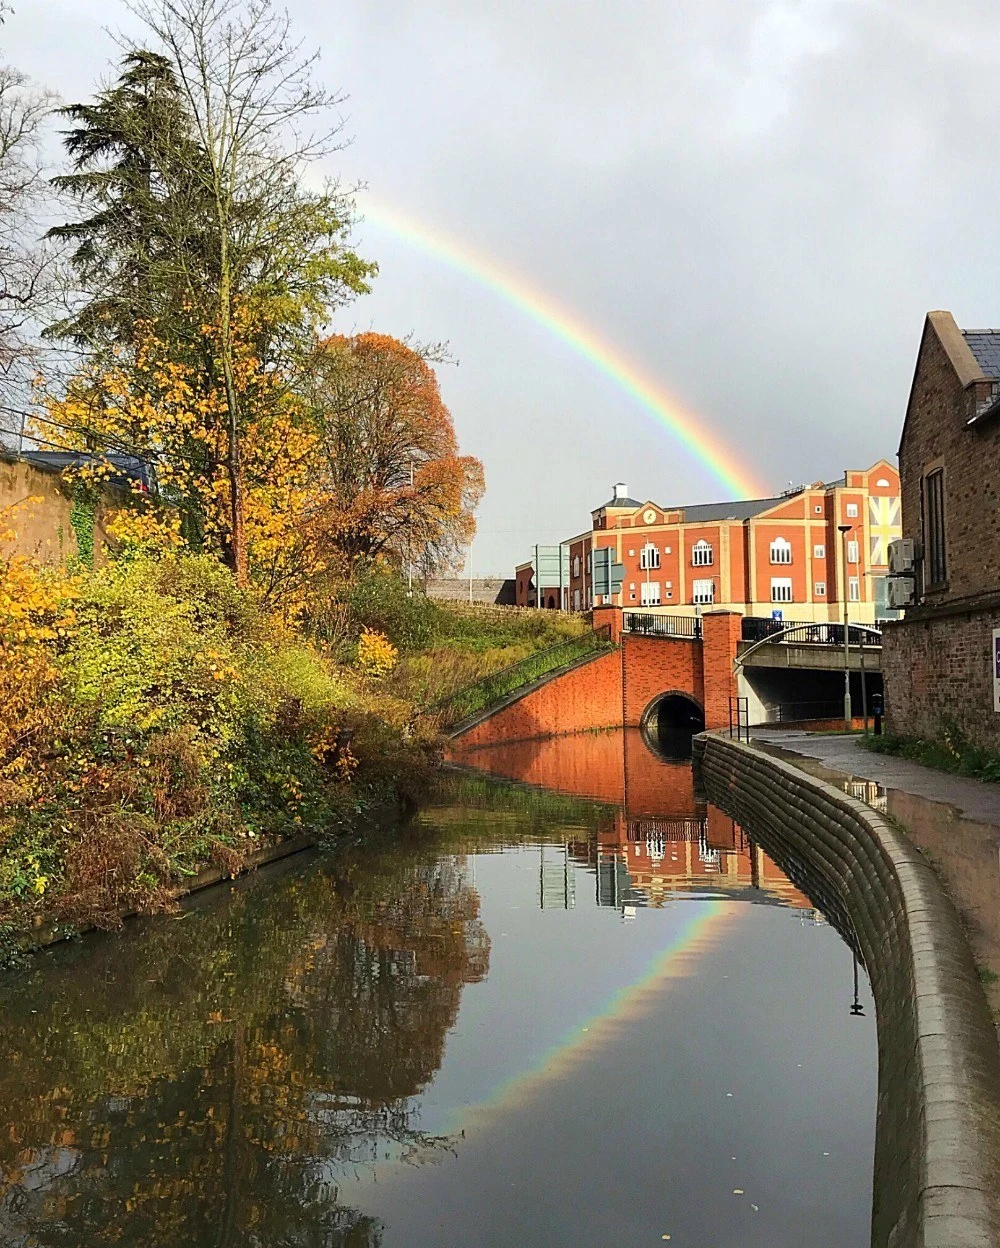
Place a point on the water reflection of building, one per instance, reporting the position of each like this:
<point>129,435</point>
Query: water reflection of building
<point>646,862</point>
<point>653,841</point>
<point>868,791</point>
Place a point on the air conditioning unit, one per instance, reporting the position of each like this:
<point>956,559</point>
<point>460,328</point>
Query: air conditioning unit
<point>902,553</point>
<point>899,591</point>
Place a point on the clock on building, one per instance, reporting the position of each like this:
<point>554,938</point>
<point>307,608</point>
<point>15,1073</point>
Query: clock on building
<point>649,515</point>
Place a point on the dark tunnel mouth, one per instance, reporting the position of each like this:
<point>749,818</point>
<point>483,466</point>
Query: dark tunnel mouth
<point>669,723</point>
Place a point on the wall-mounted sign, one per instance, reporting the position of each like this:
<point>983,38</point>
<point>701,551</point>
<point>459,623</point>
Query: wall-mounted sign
<point>996,669</point>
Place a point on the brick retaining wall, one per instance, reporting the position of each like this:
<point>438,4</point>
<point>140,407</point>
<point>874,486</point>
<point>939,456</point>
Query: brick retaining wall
<point>939,671</point>
<point>937,1148</point>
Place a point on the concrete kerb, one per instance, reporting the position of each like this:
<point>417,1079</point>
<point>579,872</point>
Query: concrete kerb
<point>937,1156</point>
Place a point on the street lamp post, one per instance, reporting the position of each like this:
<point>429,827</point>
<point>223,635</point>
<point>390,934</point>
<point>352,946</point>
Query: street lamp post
<point>848,717</point>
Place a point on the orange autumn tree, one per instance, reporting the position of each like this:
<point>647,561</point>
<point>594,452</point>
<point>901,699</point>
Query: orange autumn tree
<point>390,480</point>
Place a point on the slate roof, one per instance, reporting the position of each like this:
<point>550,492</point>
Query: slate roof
<point>985,346</point>
<point>742,509</point>
<point>619,502</point>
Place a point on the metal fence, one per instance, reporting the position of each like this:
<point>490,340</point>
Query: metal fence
<point>801,712</point>
<point>662,625</point>
<point>471,699</point>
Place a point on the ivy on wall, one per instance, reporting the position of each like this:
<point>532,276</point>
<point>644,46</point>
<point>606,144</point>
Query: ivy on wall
<point>82,514</point>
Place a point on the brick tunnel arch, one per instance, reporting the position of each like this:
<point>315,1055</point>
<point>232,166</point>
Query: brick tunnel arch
<point>669,722</point>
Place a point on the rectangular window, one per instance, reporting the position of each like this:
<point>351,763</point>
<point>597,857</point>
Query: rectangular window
<point>703,592</point>
<point>781,589</point>
<point>854,588</point>
<point>649,558</point>
<point>852,552</point>
<point>852,511</point>
<point>819,552</point>
<point>650,594</point>
<point>669,593</point>
<point>819,589</point>
<point>702,555</point>
<point>935,562</point>
<point>576,600</point>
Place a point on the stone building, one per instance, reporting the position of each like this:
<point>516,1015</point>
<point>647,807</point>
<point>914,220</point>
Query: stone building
<point>939,662</point>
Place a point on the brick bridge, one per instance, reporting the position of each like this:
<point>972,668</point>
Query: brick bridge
<point>660,678</point>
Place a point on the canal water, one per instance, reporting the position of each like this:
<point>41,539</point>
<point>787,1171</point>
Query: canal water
<point>587,1014</point>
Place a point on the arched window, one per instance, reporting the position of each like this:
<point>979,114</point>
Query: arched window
<point>649,557</point>
<point>702,555</point>
<point>576,565</point>
<point>781,551</point>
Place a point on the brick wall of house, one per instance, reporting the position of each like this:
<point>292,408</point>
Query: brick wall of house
<point>937,434</point>
<point>938,672</point>
<point>937,661</point>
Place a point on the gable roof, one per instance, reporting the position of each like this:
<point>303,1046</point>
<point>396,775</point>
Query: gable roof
<point>956,347</point>
<point>985,346</point>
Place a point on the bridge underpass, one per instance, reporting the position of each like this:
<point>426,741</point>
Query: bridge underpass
<point>794,673</point>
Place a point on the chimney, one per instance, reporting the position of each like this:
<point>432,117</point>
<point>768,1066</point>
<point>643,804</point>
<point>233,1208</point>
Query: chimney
<point>620,490</point>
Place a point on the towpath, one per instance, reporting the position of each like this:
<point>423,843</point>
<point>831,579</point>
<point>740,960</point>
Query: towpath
<point>955,821</point>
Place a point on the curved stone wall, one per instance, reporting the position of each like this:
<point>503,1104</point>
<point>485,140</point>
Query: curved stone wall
<point>937,1148</point>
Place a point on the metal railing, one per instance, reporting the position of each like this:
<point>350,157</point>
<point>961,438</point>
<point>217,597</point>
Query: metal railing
<point>484,693</point>
<point>662,625</point>
<point>801,712</point>
<point>761,628</point>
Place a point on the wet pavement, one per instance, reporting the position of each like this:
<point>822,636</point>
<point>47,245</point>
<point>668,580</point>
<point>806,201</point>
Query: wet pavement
<point>953,820</point>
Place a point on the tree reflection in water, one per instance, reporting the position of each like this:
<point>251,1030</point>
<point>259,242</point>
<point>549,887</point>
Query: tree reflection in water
<point>212,1081</point>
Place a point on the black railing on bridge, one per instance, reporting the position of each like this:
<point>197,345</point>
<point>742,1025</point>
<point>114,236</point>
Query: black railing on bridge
<point>760,628</point>
<point>471,699</point>
<point>662,625</point>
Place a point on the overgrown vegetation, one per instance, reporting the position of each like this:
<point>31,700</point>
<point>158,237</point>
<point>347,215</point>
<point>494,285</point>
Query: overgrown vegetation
<point>157,718</point>
<point>952,752</point>
<point>243,661</point>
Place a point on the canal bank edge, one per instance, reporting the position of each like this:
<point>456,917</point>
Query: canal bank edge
<point>375,819</point>
<point>937,1149</point>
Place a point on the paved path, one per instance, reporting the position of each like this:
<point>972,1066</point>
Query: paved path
<point>974,799</point>
<point>953,820</point>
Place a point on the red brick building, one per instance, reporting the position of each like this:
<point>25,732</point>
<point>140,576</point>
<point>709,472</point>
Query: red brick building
<point>939,662</point>
<point>755,556</point>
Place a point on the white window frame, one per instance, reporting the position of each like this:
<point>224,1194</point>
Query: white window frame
<point>781,589</point>
<point>702,554</point>
<point>852,511</point>
<point>781,550</point>
<point>819,589</point>
<point>703,592</point>
<point>819,552</point>
<point>854,589</point>
<point>649,558</point>
<point>853,551</point>
<point>576,565</point>
<point>649,594</point>
<point>576,600</point>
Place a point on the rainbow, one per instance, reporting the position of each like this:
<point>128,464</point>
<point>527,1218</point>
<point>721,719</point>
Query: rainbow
<point>608,359</point>
<point>696,936</point>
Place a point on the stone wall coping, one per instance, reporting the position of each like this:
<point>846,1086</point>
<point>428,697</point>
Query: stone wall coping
<point>937,1157</point>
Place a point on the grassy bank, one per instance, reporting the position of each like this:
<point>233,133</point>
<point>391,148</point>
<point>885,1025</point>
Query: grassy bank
<point>950,753</point>
<point>155,719</point>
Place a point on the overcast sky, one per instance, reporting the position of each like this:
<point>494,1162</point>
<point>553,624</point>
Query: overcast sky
<point>757,200</point>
